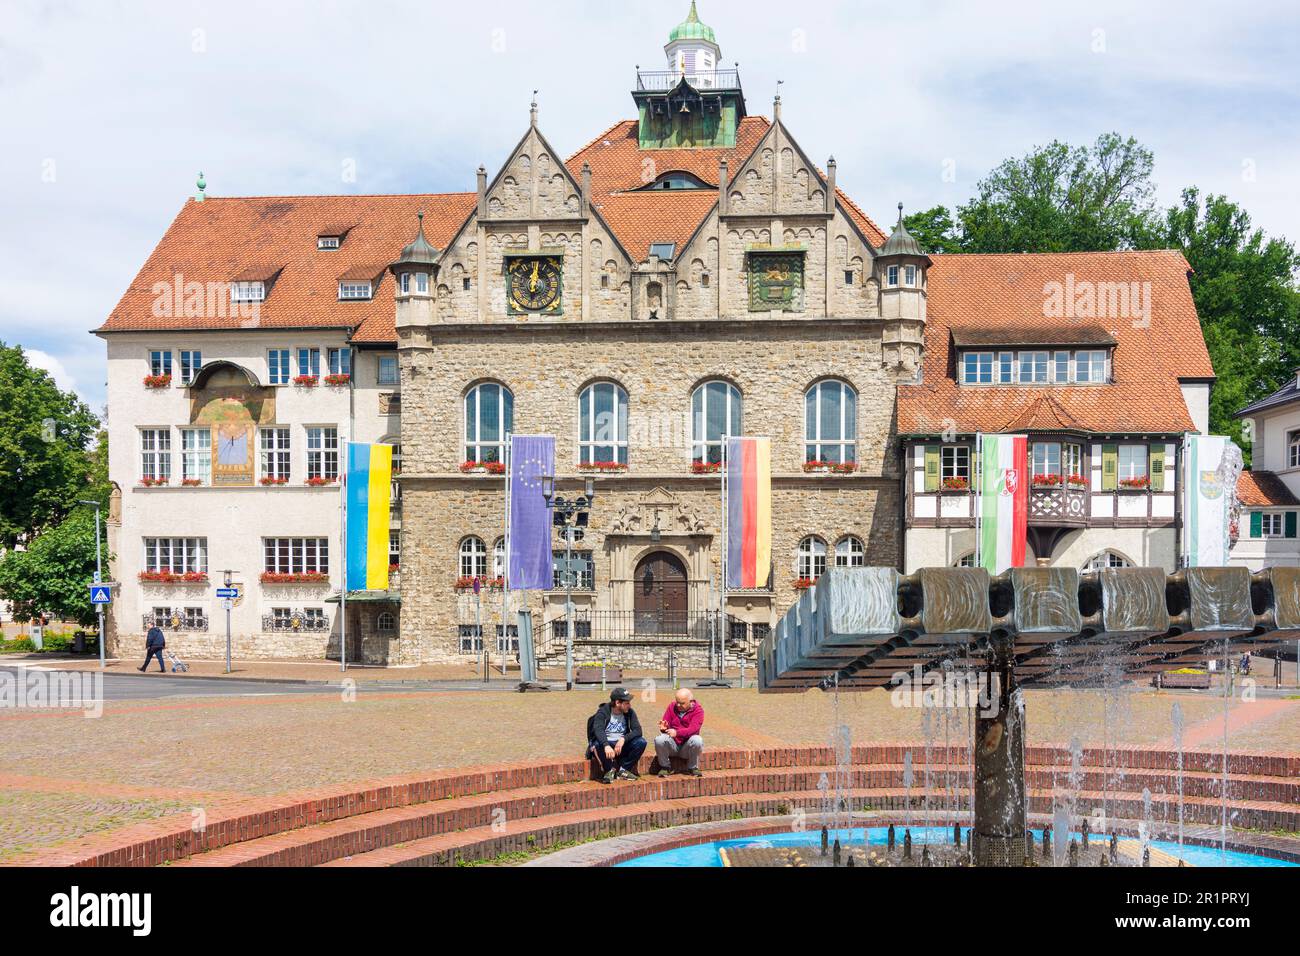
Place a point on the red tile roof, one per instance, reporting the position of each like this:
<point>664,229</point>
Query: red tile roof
<point>989,292</point>
<point>274,238</point>
<point>1264,489</point>
<point>220,240</point>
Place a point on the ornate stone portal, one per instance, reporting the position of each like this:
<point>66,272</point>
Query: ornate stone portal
<point>659,522</point>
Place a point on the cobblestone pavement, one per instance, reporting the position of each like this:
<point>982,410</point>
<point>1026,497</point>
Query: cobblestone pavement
<point>144,758</point>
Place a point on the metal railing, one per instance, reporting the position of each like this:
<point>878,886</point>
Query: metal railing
<point>645,628</point>
<point>663,81</point>
<point>176,622</point>
<point>295,621</point>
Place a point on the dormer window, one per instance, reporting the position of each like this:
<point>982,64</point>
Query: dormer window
<point>328,243</point>
<point>663,250</point>
<point>678,180</point>
<point>247,291</point>
<point>1033,367</point>
<point>352,290</point>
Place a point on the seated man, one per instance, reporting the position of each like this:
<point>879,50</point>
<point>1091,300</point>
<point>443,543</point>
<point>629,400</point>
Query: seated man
<point>614,737</point>
<point>680,734</point>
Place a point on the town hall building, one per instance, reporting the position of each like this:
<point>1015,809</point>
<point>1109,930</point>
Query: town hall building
<point>689,274</point>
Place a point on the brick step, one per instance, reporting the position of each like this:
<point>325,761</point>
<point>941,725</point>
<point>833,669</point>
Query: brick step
<point>486,843</point>
<point>173,838</point>
<point>358,834</point>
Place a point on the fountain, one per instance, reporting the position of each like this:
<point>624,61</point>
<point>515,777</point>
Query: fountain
<point>860,628</point>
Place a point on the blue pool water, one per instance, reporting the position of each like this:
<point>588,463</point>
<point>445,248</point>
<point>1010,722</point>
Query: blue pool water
<point>706,854</point>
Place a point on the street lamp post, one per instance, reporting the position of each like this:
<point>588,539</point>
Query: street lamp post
<point>227,577</point>
<point>573,517</point>
<point>99,576</point>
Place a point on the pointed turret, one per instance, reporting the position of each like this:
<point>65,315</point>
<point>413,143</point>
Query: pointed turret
<point>415,272</point>
<point>901,271</point>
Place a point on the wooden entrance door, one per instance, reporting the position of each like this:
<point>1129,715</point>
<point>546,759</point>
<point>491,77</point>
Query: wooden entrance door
<point>660,588</point>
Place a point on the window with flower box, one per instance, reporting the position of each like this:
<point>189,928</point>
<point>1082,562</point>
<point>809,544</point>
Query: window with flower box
<point>322,454</point>
<point>1133,464</point>
<point>1055,463</point>
<point>196,456</point>
<point>955,467</point>
<point>715,413</point>
<point>309,363</point>
<point>160,362</point>
<point>176,555</point>
<point>489,418</point>
<point>473,558</point>
<point>340,361</point>
<point>294,556</point>
<point>276,454</point>
<point>602,423</point>
<point>831,423</point>
<point>155,455</point>
<point>810,563</point>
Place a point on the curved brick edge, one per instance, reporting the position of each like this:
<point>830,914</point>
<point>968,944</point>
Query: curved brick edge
<point>621,849</point>
<point>175,837</point>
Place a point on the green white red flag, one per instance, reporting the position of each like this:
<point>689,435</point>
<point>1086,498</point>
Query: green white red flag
<point>1002,503</point>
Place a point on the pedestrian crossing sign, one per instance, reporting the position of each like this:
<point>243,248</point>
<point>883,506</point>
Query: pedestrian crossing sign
<point>100,594</point>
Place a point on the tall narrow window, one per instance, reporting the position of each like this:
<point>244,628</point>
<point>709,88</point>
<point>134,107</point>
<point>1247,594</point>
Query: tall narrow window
<point>394,549</point>
<point>473,558</point>
<point>275,449</point>
<point>715,414</point>
<point>489,419</point>
<point>850,553</point>
<point>160,362</point>
<point>196,455</point>
<point>340,361</point>
<point>956,465</point>
<point>309,362</point>
<point>1293,450</point>
<point>811,563</point>
<point>277,366</point>
<point>323,453</point>
<point>191,362</point>
<point>156,454</point>
<point>831,423</point>
<point>602,424</point>
<point>891,276</point>
<point>387,374</point>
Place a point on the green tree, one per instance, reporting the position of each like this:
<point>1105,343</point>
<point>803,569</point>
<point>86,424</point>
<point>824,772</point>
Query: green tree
<point>1244,285</point>
<point>1062,198</point>
<point>51,576</point>
<point>935,230</point>
<point>44,468</point>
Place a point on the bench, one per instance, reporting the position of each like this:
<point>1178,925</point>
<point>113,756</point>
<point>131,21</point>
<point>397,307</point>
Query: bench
<point>1182,681</point>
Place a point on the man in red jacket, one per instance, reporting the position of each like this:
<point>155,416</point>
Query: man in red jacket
<point>679,734</point>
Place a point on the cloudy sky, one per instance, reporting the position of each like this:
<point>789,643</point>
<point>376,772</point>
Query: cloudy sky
<point>111,107</point>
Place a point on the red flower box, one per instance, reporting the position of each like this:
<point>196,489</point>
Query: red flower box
<point>192,483</point>
<point>153,482</point>
<point>485,584</point>
<point>313,577</point>
<point>602,466</point>
<point>705,468</point>
<point>268,481</point>
<point>320,482</point>
<point>157,381</point>
<point>306,381</point>
<point>171,577</point>
<point>483,467</point>
<point>1135,484</point>
<point>956,484</point>
<point>1078,481</point>
<point>831,467</point>
<point>803,584</point>
<point>1046,481</point>
<point>337,379</point>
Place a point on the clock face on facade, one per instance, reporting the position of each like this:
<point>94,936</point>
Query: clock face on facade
<point>534,284</point>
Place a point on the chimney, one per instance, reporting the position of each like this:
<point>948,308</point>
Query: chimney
<point>724,186</point>
<point>586,189</point>
<point>482,192</point>
<point>830,184</point>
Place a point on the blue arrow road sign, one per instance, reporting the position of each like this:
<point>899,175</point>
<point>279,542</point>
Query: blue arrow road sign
<point>227,592</point>
<point>101,594</point>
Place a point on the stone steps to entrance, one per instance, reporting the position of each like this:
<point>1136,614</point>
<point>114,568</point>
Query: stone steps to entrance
<point>330,823</point>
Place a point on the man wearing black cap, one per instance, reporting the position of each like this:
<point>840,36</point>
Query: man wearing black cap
<point>614,737</point>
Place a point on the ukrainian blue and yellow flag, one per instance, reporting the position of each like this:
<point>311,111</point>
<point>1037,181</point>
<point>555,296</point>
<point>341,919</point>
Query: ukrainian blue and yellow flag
<point>368,488</point>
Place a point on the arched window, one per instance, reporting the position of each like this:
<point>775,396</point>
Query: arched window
<point>489,418</point>
<point>499,558</point>
<point>831,423</point>
<point>602,424</point>
<point>386,622</point>
<point>678,179</point>
<point>812,558</point>
<point>715,413</point>
<point>966,562</point>
<point>473,558</point>
<point>1107,559</point>
<point>850,553</point>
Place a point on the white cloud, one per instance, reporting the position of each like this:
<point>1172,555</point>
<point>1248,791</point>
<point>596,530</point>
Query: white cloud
<point>49,363</point>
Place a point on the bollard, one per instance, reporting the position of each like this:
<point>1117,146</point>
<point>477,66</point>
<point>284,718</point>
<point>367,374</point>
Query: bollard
<point>825,841</point>
<point>891,838</point>
<point>907,844</point>
<point>835,853</point>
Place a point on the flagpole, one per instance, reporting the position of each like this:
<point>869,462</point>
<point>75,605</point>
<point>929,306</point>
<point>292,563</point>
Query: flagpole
<point>505,569</point>
<point>979,497</point>
<point>343,592</point>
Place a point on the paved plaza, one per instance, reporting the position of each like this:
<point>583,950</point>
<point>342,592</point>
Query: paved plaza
<point>63,775</point>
